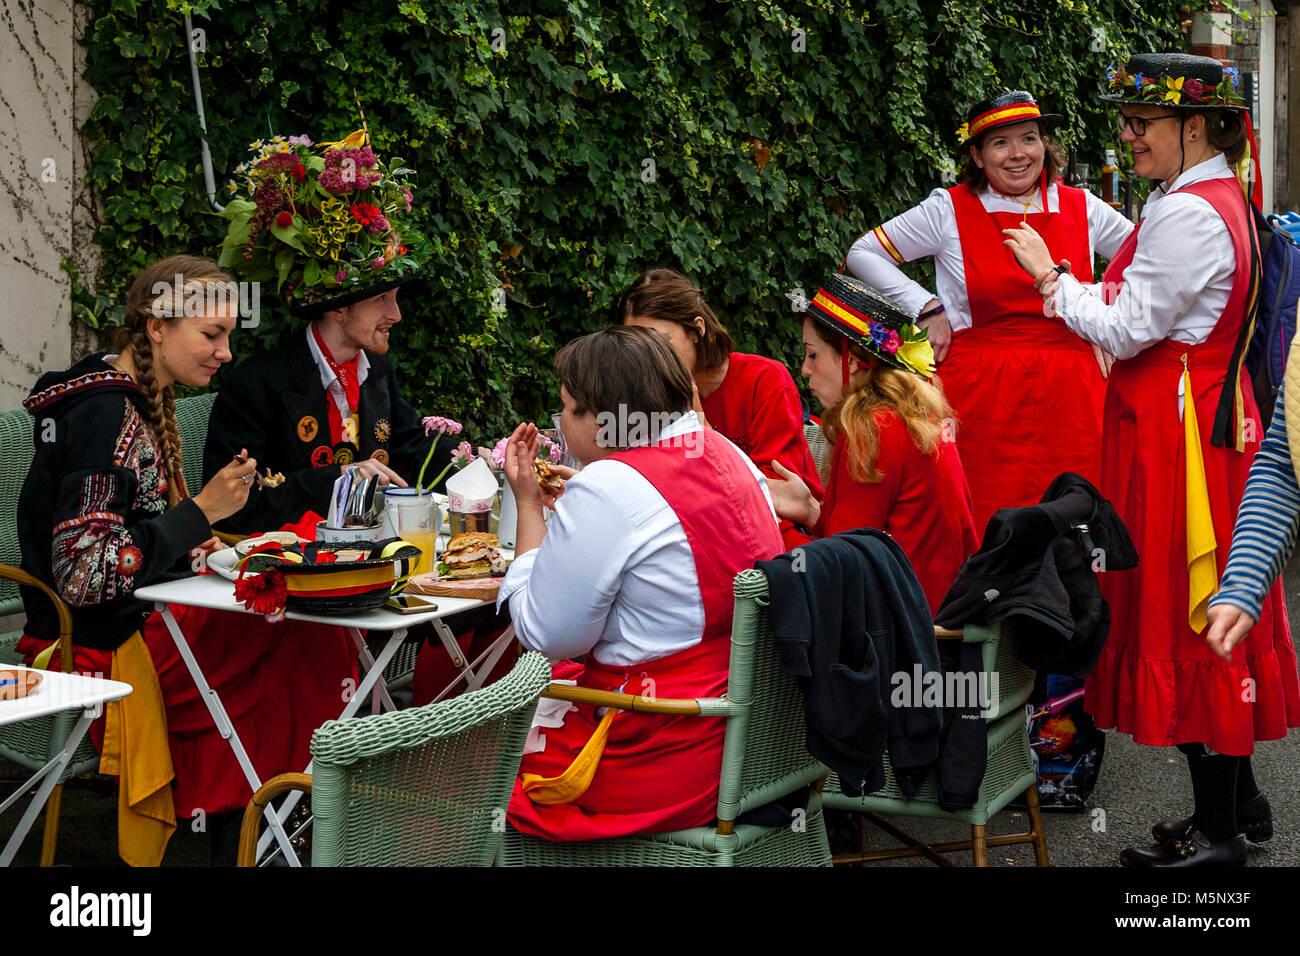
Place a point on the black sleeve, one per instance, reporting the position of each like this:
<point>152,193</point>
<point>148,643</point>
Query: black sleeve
<point>409,445</point>
<point>98,553</point>
<point>239,420</point>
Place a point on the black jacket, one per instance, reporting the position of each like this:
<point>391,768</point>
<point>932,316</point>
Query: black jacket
<point>848,614</point>
<point>1036,570</point>
<point>274,405</point>
<point>93,521</point>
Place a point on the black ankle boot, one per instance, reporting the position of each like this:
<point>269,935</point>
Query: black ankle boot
<point>1255,818</point>
<point>1194,848</point>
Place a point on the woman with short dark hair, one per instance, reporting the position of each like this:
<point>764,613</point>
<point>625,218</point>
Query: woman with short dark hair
<point>634,571</point>
<point>750,399</point>
<point>1027,392</point>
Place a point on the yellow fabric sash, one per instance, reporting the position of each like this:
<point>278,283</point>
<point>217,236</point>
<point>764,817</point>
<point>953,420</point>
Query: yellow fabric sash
<point>1202,571</point>
<point>577,777</point>
<point>136,727</point>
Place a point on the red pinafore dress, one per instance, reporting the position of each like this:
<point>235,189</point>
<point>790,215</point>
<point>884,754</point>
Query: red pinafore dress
<point>1026,391</point>
<point>658,772</point>
<point>1157,678</point>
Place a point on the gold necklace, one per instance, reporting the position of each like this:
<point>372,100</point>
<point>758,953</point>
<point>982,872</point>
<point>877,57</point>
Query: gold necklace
<point>1027,204</point>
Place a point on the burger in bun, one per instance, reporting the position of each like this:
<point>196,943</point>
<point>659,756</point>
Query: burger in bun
<point>473,555</point>
<point>546,476</point>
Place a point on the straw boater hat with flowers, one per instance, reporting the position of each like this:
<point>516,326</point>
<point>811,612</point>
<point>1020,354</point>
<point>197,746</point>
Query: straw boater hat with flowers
<point>328,223</point>
<point>1005,109</point>
<point>1175,80</point>
<point>867,319</point>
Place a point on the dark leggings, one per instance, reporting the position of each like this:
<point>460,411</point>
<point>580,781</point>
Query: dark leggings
<point>1220,784</point>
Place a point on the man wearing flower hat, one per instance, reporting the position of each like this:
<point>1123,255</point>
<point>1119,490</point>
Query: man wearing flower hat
<point>327,225</point>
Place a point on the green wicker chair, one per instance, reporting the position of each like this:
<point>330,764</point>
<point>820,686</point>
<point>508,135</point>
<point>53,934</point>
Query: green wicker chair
<point>764,758</point>
<point>428,786</point>
<point>192,416</point>
<point>33,743</point>
<point>822,450</point>
<point>1008,774</point>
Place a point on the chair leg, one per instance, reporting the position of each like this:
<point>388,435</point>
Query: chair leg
<point>979,846</point>
<point>50,837</point>
<point>1036,825</point>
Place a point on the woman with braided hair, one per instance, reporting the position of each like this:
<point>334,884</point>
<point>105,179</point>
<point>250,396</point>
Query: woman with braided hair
<point>105,511</point>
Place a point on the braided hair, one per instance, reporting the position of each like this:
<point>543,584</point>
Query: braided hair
<point>142,303</point>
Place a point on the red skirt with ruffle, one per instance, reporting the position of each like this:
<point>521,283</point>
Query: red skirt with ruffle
<point>1157,679</point>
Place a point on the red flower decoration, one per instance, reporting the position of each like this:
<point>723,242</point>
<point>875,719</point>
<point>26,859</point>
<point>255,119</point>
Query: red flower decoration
<point>263,593</point>
<point>1193,88</point>
<point>365,213</point>
<point>129,560</point>
<point>401,250</point>
<point>299,172</point>
<point>284,220</point>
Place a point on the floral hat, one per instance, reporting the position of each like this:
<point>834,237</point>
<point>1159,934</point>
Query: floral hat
<point>1012,106</point>
<point>1175,80</point>
<point>869,320</point>
<point>329,223</point>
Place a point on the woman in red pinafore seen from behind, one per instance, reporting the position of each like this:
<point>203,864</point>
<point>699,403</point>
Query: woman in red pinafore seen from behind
<point>634,571</point>
<point>750,399</point>
<point>1026,391</point>
<point>1180,431</point>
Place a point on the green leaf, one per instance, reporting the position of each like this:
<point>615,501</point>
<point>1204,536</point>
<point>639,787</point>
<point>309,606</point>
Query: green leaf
<point>283,266</point>
<point>290,235</point>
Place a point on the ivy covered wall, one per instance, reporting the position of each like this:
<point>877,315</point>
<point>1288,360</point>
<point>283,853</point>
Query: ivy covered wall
<point>562,147</point>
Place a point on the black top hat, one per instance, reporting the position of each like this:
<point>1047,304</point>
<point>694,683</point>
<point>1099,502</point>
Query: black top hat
<point>1175,81</point>
<point>874,323</point>
<point>1012,106</point>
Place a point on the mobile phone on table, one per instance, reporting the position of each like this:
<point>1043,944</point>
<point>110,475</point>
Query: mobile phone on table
<point>409,604</point>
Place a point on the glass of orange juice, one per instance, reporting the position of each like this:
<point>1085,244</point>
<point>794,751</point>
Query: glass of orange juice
<point>412,517</point>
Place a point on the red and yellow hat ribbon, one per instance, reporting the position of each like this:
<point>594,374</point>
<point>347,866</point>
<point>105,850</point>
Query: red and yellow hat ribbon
<point>1004,114</point>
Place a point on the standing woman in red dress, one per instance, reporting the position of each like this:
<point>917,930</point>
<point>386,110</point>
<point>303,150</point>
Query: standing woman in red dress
<point>892,468</point>
<point>1180,431</point>
<point>1027,392</point>
<point>750,399</point>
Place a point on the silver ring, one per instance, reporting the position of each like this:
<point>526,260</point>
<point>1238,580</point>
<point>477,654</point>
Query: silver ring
<point>248,479</point>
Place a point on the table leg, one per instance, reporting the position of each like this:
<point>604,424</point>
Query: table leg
<point>474,679</point>
<point>225,727</point>
<point>381,696</point>
<point>374,675</point>
<point>51,773</point>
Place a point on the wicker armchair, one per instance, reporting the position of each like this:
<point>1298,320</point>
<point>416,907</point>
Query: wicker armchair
<point>428,786</point>
<point>763,759</point>
<point>1008,774</point>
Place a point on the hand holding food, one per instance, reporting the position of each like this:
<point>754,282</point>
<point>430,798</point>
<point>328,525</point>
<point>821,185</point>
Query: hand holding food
<point>521,452</point>
<point>227,492</point>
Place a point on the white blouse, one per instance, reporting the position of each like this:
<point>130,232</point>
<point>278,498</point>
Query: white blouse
<point>930,229</point>
<point>615,575</point>
<point>1178,283</point>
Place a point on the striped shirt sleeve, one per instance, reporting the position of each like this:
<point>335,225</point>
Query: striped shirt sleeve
<point>1267,524</point>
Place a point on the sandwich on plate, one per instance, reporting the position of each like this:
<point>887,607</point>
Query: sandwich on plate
<point>473,555</point>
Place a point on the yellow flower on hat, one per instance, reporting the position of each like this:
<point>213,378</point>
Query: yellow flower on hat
<point>963,132</point>
<point>352,141</point>
<point>917,356</point>
<point>1175,89</point>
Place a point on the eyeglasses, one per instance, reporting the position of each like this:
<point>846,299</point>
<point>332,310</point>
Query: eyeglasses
<point>1138,124</point>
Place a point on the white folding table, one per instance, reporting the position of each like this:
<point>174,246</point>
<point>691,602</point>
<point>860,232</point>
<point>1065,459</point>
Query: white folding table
<point>57,692</point>
<point>218,594</point>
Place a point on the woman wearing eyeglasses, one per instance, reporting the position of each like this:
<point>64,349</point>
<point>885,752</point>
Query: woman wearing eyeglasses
<point>1027,392</point>
<point>1180,431</point>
